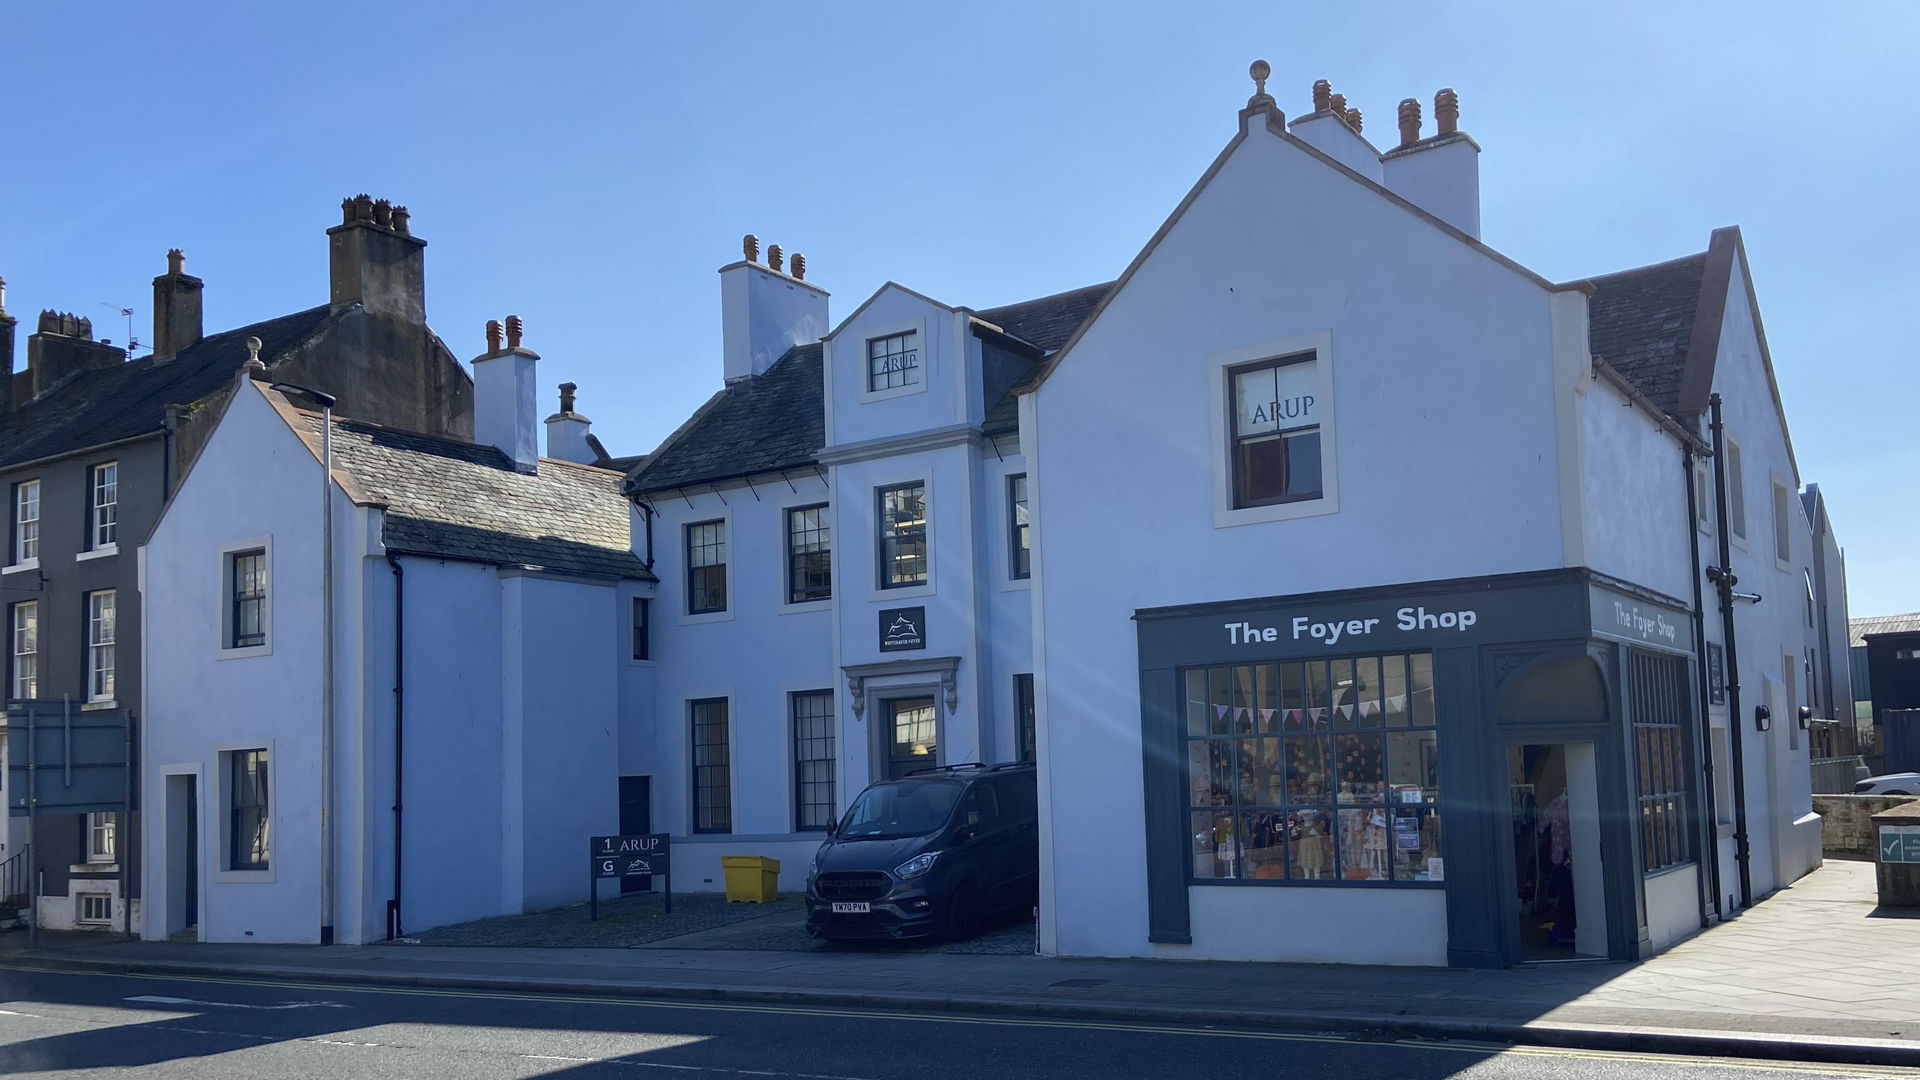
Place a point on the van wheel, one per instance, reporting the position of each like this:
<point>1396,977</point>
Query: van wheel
<point>963,914</point>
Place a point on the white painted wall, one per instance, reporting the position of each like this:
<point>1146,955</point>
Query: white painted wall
<point>1783,830</point>
<point>1400,927</point>
<point>1636,499</point>
<point>504,405</point>
<point>940,399</point>
<point>1443,179</point>
<point>1673,906</point>
<point>763,314</point>
<point>198,704</point>
<point>1443,403</point>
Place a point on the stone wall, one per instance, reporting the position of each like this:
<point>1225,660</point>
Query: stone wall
<point>1846,821</point>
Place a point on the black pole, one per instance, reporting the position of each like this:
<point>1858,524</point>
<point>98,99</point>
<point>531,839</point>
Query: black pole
<point>123,841</point>
<point>1736,723</point>
<point>399,732</point>
<point>1712,800</point>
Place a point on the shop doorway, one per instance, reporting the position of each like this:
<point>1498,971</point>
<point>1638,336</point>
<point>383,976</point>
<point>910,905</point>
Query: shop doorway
<point>183,856</point>
<point>913,731</point>
<point>1559,895</point>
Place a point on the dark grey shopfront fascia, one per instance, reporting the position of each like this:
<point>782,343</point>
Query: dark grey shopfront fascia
<point>1360,740</point>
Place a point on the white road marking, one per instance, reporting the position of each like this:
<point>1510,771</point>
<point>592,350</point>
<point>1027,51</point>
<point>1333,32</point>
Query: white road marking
<point>155,999</point>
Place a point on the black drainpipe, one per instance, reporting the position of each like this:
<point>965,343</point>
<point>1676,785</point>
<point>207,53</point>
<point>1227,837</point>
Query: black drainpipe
<point>1736,722</point>
<point>1712,800</point>
<point>399,732</point>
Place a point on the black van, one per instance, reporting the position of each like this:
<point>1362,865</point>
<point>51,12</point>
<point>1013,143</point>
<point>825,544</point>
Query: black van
<point>935,853</point>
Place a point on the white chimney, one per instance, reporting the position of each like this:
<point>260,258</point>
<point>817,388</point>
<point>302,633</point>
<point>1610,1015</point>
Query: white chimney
<point>567,431</point>
<point>764,310</point>
<point>503,397</point>
<point>1441,174</point>
<point>1334,129</point>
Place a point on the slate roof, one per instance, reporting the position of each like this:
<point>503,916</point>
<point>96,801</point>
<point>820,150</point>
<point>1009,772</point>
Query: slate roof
<point>465,501</point>
<point>130,399</point>
<point>1859,629</point>
<point>775,420</point>
<point>1047,323</point>
<point>1641,322</point>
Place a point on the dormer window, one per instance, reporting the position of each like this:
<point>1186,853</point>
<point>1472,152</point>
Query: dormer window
<point>893,361</point>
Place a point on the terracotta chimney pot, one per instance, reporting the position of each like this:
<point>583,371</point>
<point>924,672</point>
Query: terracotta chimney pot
<point>1409,122</point>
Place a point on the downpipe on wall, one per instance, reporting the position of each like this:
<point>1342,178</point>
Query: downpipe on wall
<point>1723,580</point>
<point>1711,802</point>
<point>399,731</point>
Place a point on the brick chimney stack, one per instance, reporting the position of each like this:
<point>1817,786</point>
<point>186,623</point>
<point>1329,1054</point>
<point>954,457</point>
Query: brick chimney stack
<point>374,258</point>
<point>176,309</point>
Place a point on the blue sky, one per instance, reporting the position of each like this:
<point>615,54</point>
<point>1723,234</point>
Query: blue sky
<point>589,167</point>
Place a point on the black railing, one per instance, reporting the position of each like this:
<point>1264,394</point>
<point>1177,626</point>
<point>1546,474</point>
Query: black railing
<point>13,878</point>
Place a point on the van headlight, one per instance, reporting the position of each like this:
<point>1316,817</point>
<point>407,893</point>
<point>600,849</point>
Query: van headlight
<point>915,866</point>
<point>813,868</point>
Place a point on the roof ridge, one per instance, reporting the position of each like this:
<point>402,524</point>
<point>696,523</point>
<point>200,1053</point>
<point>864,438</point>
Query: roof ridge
<point>1043,299</point>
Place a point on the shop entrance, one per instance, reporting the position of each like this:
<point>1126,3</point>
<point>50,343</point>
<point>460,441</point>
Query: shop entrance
<point>1559,899</point>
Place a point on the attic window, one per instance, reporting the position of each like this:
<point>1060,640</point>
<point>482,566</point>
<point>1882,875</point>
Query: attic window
<point>893,361</point>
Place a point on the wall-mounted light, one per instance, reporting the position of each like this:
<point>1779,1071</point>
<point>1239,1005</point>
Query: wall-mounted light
<point>1806,717</point>
<point>1762,717</point>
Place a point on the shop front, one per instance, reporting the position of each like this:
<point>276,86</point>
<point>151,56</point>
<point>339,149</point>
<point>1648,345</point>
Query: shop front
<point>1476,772</point>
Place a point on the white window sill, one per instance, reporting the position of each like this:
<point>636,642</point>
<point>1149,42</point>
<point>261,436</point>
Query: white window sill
<point>21,567</point>
<point>94,868</point>
<point>101,552</point>
<point>1327,503</point>
<point>1022,584</point>
<point>1737,541</point>
<point>1783,566</point>
<point>242,654</point>
<point>706,617</point>
<point>900,592</point>
<point>243,877</point>
<point>642,663</point>
<point>807,606</point>
<point>868,397</point>
<point>97,706</point>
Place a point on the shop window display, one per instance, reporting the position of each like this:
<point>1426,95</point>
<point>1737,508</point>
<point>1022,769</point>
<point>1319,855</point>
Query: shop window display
<point>1314,771</point>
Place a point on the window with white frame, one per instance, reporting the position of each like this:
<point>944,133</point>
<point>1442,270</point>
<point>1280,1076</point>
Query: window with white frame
<point>96,909</point>
<point>23,646</point>
<point>706,567</point>
<point>712,767</point>
<point>247,599</point>
<point>101,634</point>
<point>893,361</point>
<point>1736,494</point>
<point>249,811</point>
<point>1782,523</point>
<point>813,760</point>
<point>903,535</point>
<point>102,836</point>
<point>1275,441</point>
<point>809,553</point>
<point>26,521</point>
<point>1019,551</point>
<point>104,526</point>
<point>642,628</point>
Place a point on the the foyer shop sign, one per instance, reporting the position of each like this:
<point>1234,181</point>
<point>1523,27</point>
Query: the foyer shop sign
<point>1331,631</point>
<point>1626,618</point>
<point>1535,606</point>
<point>902,629</point>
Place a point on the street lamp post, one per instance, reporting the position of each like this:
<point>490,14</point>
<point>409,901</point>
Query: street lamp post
<point>325,403</point>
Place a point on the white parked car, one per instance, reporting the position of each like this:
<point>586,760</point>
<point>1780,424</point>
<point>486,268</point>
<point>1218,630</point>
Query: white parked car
<point>1900,783</point>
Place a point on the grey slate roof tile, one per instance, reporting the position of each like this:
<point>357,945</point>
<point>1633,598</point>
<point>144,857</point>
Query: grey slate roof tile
<point>1046,323</point>
<point>775,420</point>
<point>1641,322</point>
<point>465,501</point>
<point>130,399</point>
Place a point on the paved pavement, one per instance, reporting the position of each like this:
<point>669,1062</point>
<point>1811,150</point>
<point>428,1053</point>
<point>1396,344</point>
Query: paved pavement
<point>1814,973</point>
<point>172,1028</point>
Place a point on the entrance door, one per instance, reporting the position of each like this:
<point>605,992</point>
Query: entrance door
<point>636,816</point>
<point>1559,903</point>
<point>912,735</point>
<point>183,855</point>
